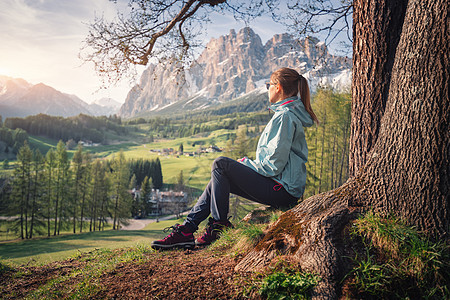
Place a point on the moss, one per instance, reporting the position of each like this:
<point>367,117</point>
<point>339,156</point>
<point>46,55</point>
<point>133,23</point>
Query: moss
<point>287,225</point>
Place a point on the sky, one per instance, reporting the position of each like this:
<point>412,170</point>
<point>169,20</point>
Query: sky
<point>41,41</point>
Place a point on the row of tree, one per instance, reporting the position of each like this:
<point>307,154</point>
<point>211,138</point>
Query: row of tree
<point>81,127</point>
<point>142,168</point>
<point>199,123</point>
<point>49,194</point>
<point>11,140</point>
<point>328,142</point>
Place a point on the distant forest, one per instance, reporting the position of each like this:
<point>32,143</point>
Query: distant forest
<point>81,127</point>
<point>195,124</point>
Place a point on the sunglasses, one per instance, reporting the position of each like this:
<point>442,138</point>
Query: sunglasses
<point>268,84</point>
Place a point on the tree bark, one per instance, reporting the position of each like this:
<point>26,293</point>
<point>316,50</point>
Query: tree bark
<point>377,27</point>
<point>406,160</point>
<point>408,169</point>
<point>309,234</point>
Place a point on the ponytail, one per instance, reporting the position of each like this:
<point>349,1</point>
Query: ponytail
<point>293,84</point>
<point>303,89</point>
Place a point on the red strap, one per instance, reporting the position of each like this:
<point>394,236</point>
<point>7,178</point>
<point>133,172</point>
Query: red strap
<point>287,102</point>
<point>277,187</point>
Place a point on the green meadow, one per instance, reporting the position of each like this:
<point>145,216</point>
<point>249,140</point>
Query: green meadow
<point>196,169</point>
<point>42,251</point>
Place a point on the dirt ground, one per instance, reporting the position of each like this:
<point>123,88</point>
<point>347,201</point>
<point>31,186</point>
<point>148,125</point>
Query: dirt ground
<point>175,274</point>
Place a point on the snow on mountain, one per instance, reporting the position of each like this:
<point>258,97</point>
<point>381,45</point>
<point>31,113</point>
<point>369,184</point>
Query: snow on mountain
<point>107,102</point>
<point>104,107</point>
<point>18,98</point>
<point>232,66</point>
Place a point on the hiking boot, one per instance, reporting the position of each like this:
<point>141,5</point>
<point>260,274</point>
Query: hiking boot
<point>212,232</point>
<point>179,238</point>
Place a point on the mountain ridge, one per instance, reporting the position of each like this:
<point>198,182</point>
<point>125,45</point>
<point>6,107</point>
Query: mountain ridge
<point>19,98</point>
<point>232,66</point>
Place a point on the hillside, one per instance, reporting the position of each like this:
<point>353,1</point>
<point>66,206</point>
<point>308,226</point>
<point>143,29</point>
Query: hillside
<point>19,98</point>
<point>254,101</point>
<point>378,266</point>
<point>165,275</point>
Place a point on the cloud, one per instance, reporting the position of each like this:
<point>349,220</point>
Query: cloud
<point>41,41</point>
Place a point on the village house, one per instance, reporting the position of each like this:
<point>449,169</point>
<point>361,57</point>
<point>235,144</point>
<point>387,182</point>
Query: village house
<point>168,203</point>
<point>165,203</point>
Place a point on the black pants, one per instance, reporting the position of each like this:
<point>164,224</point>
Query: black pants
<point>229,176</point>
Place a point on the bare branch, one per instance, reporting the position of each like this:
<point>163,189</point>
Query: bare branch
<point>312,17</point>
<point>166,30</point>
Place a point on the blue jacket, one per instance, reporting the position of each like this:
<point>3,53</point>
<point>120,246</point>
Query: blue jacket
<point>282,151</point>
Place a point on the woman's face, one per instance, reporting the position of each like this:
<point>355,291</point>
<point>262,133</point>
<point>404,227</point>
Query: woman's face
<point>274,91</point>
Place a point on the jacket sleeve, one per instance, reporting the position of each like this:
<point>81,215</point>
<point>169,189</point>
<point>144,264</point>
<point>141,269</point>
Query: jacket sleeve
<point>273,153</point>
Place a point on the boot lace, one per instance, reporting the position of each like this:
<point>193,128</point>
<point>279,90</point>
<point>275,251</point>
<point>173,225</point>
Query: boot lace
<point>175,229</point>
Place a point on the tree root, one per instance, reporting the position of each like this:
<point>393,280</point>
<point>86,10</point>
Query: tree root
<point>310,234</point>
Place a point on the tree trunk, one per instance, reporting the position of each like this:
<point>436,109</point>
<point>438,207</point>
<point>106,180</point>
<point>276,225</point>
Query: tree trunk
<point>56,203</point>
<point>75,202</point>
<point>27,202</point>
<point>406,171</point>
<point>377,27</point>
<point>49,195</point>
<point>33,205</point>
<point>116,205</point>
<point>82,208</point>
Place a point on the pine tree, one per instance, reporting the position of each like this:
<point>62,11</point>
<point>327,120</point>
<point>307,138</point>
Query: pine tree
<point>120,181</point>
<point>242,143</point>
<point>146,191</point>
<point>62,185</point>
<point>77,161</point>
<point>180,181</point>
<point>104,199</point>
<point>38,189</point>
<point>98,188</point>
<point>157,177</point>
<point>85,186</point>
<point>50,169</point>
<point>22,188</point>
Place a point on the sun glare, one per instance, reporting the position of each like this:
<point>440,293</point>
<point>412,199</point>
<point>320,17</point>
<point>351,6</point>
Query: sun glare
<point>4,71</point>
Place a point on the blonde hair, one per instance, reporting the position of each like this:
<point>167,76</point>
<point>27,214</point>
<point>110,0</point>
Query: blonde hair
<point>293,84</point>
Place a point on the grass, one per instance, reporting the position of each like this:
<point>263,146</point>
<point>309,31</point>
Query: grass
<point>398,262</point>
<point>92,266</point>
<point>10,229</point>
<point>42,143</point>
<point>243,236</point>
<point>238,240</point>
<point>278,282</point>
<point>45,250</point>
<point>288,284</point>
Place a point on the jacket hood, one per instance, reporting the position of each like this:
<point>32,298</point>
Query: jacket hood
<point>294,105</point>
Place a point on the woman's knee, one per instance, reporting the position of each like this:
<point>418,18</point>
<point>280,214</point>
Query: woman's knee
<point>220,162</point>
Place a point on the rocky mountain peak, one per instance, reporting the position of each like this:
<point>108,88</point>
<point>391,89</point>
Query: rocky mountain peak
<point>230,66</point>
